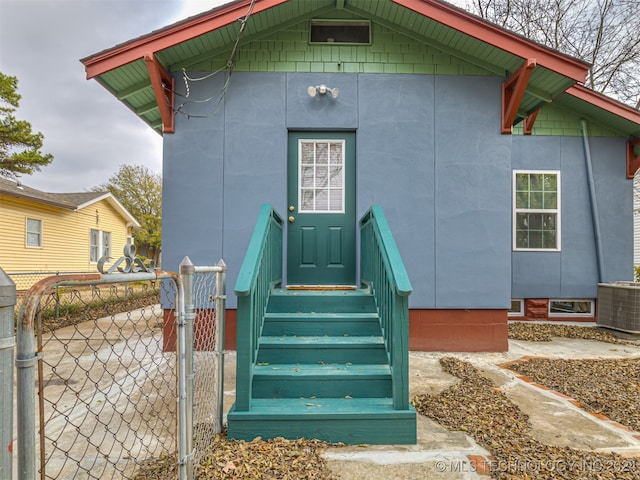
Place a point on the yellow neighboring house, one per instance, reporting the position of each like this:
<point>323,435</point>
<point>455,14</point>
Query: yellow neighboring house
<point>59,232</point>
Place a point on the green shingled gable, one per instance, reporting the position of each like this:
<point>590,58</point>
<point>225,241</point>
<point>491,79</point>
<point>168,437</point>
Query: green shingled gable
<point>289,50</point>
<point>556,120</point>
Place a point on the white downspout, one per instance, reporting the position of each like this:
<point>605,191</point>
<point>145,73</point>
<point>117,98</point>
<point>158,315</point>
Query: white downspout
<point>593,201</point>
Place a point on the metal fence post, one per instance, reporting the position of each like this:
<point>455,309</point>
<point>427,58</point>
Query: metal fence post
<point>185,372</point>
<point>221,315</point>
<point>26,360</point>
<point>7,343</point>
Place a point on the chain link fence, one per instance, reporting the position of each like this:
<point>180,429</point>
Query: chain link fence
<point>24,280</point>
<point>112,399</point>
<point>208,361</point>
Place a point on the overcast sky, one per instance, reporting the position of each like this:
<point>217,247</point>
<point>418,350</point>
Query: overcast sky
<point>88,131</point>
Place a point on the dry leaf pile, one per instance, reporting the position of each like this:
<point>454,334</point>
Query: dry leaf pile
<point>545,332</point>
<point>474,405</point>
<point>608,387</point>
<point>259,459</point>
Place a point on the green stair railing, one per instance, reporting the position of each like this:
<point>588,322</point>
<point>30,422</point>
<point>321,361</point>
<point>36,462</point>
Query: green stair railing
<point>261,269</point>
<point>381,268</point>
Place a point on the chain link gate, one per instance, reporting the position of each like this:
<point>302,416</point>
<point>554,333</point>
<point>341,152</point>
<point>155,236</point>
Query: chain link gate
<point>109,391</point>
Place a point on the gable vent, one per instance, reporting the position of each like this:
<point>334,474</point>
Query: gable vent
<point>341,31</point>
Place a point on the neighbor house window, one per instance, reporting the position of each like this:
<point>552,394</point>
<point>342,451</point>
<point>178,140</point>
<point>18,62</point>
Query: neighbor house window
<point>34,233</point>
<point>99,245</point>
<point>571,308</point>
<point>536,210</point>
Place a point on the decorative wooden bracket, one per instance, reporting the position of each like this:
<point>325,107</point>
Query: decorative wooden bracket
<point>633,158</point>
<point>529,121</point>
<point>163,88</point>
<point>513,89</point>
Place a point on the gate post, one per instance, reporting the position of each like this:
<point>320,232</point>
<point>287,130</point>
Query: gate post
<point>7,343</point>
<point>186,317</point>
<point>221,320</point>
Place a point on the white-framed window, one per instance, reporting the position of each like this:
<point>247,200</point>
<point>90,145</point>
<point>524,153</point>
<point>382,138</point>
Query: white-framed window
<point>99,245</point>
<point>517,308</point>
<point>581,307</point>
<point>33,233</point>
<point>321,176</point>
<point>536,210</point>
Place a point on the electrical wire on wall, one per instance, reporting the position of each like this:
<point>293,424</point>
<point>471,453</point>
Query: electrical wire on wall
<point>228,68</point>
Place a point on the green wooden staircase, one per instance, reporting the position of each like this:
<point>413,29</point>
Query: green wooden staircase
<point>317,364</point>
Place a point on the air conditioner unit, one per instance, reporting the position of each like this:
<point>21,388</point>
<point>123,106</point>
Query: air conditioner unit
<point>619,306</point>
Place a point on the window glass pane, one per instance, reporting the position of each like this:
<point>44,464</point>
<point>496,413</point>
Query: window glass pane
<point>535,239</point>
<point>571,307</point>
<point>336,201</point>
<point>551,182</point>
<point>522,182</point>
<point>535,221</point>
<point>522,239</point>
<point>93,248</point>
<point>336,154</point>
<point>307,177</point>
<point>106,244</point>
<point>535,182</point>
<point>322,174</point>
<point>322,201</point>
<point>322,153</point>
<point>336,177</point>
<point>550,200</point>
<point>33,239</point>
<point>549,240</point>
<point>536,200</point>
<point>306,157</point>
<point>307,200</point>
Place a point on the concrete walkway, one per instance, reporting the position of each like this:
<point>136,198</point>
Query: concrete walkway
<point>444,454</point>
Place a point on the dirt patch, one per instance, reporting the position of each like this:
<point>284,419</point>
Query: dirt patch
<point>476,406</point>
<point>264,459</point>
<point>545,332</point>
<point>607,387</point>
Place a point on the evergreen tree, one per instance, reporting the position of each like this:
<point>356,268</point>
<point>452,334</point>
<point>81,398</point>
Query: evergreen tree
<point>19,146</point>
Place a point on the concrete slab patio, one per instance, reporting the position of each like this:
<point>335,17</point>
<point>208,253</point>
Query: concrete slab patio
<point>444,454</point>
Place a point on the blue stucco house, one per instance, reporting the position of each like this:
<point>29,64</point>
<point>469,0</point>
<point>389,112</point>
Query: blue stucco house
<point>453,120</point>
<point>503,180</point>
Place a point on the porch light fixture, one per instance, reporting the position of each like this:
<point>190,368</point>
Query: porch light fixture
<point>322,90</point>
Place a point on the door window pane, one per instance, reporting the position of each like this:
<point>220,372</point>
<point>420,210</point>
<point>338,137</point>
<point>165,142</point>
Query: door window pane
<point>321,176</point>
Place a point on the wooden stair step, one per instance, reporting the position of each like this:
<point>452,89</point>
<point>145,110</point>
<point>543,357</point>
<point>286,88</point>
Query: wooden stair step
<point>315,349</point>
<point>347,420</point>
<point>321,380</point>
<point>332,324</point>
<point>322,370</point>
<point>322,301</point>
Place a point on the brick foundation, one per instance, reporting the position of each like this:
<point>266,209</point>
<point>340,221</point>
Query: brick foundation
<point>429,330</point>
<point>458,330</point>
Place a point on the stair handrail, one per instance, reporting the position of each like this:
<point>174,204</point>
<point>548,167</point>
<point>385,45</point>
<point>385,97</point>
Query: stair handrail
<point>382,268</point>
<point>260,270</point>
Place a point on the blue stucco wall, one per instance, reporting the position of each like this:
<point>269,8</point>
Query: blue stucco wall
<point>573,271</point>
<point>428,151</point>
